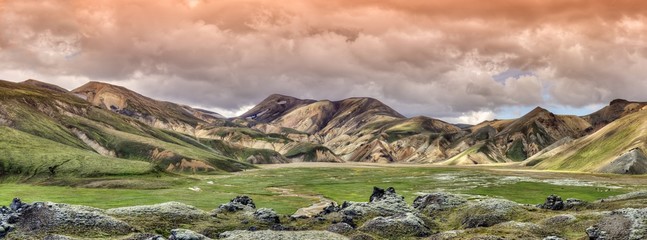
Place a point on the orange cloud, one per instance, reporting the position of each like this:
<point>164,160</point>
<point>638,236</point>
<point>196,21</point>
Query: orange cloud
<point>423,57</point>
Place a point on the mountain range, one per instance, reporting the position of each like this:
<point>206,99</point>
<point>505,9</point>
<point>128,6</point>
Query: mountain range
<point>100,129</point>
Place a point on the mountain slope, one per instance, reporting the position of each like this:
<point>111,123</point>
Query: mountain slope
<point>107,123</point>
<point>323,117</point>
<point>50,119</point>
<point>536,130</point>
<point>518,139</point>
<point>159,114</point>
<point>615,110</point>
<point>44,85</point>
<point>273,107</point>
<point>621,143</point>
<point>25,156</point>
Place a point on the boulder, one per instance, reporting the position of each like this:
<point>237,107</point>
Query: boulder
<point>594,233</point>
<point>379,193</point>
<point>437,201</point>
<point>239,203</point>
<point>382,203</point>
<point>553,202</point>
<point>628,223</point>
<point>332,207</point>
<point>488,212</point>
<point>47,217</point>
<point>406,225</point>
<point>184,234</point>
<point>283,235</point>
<point>16,205</point>
<point>266,215</point>
<point>340,228</point>
<point>173,211</point>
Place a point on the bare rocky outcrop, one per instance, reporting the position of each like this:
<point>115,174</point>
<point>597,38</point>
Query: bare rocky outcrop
<point>404,225</point>
<point>628,223</point>
<point>385,215</point>
<point>176,211</point>
<point>632,162</point>
<point>266,215</point>
<point>239,203</point>
<point>488,212</point>
<point>41,218</point>
<point>340,228</point>
<point>381,203</point>
<point>93,144</point>
<point>439,201</point>
<point>185,234</point>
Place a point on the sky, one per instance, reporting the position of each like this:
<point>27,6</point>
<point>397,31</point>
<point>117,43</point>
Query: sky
<point>458,60</point>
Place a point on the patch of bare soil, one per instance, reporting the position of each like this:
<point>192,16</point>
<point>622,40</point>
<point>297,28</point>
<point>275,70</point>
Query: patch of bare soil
<point>320,201</point>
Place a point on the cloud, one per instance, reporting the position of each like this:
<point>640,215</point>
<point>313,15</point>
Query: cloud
<point>443,59</point>
<point>473,117</point>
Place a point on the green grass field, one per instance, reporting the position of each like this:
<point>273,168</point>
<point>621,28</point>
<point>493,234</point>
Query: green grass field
<point>351,183</point>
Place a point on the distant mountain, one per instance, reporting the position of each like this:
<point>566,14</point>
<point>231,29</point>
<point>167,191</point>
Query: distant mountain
<point>615,110</point>
<point>101,123</point>
<point>159,114</point>
<point>618,147</point>
<point>49,133</point>
<point>518,139</point>
<point>273,107</point>
<point>312,116</point>
<point>355,129</point>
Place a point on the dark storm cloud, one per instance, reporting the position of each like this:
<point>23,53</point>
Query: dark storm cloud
<point>436,58</point>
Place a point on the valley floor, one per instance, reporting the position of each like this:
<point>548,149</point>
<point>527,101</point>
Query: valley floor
<point>295,201</point>
<point>288,187</point>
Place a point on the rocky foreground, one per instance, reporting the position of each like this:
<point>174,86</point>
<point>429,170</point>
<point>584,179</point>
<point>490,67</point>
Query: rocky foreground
<point>385,216</point>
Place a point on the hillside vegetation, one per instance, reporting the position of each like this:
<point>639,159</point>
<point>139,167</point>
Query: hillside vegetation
<point>595,152</point>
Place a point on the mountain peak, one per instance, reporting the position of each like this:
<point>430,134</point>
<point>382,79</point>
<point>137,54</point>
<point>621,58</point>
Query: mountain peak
<point>369,104</point>
<point>539,109</point>
<point>96,85</point>
<point>273,107</point>
<point>278,95</point>
<point>618,101</point>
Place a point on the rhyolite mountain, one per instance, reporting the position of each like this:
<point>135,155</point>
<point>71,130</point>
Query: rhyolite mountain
<point>618,147</point>
<point>615,110</point>
<point>102,123</point>
<point>46,133</point>
<point>165,115</point>
<point>518,139</point>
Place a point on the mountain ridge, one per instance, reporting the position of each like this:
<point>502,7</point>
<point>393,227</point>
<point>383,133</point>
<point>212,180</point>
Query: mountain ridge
<point>282,129</point>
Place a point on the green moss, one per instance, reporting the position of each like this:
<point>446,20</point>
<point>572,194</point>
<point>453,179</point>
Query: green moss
<point>516,152</point>
<point>27,156</point>
<point>307,150</point>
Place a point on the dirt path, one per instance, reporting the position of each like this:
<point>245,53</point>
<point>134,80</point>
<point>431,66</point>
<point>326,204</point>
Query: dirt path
<point>320,201</point>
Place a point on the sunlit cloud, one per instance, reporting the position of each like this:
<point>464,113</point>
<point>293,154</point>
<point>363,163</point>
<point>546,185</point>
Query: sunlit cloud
<point>464,60</point>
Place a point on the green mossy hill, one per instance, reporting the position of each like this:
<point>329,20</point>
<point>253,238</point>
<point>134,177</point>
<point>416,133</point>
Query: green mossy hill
<point>592,153</point>
<point>44,127</point>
